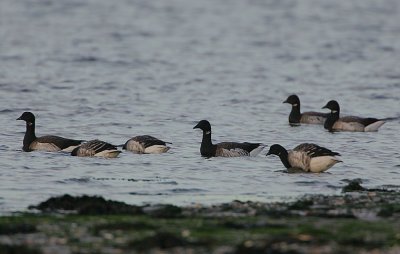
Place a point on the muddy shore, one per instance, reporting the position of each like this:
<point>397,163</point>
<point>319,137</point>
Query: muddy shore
<point>358,221</point>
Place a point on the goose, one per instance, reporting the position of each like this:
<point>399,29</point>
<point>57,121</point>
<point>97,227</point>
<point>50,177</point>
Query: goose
<point>146,144</point>
<point>296,117</point>
<point>225,149</point>
<point>307,157</point>
<point>44,143</point>
<point>349,123</point>
<point>96,148</point>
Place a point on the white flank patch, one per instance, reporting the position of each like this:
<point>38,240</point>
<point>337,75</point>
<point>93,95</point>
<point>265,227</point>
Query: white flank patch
<point>156,149</point>
<point>69,149</point>
<point>49,147</point>
<point>322,163</point>
<point>375,126</point>
<point>108,153</point>
<point>257,151</point>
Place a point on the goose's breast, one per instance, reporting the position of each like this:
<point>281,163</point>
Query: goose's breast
<point>348,126</point>
<point>49,147</point>
<point>135,146</point>
<point>299,160</point>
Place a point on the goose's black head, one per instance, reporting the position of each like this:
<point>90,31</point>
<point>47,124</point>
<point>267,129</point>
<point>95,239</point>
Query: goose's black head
<point>276,150</point>
<point>281,152</point>
<point>293,100</point>
<point>204,125</point>
<point>28,117</point>
<point>333,106</point>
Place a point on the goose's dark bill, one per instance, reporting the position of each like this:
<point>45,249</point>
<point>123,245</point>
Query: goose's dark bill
<point>349,123</point>
<point>96,148</point>
<point>146,145</point>
<point>308,157</point>
<point>45,143</point>
<point>225,149</point>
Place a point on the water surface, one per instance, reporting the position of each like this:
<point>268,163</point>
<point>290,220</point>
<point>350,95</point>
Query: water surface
<point>112,70</point>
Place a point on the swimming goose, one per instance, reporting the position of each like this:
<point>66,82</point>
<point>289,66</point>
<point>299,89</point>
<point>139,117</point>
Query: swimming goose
<point>225,149</point>
<point>96,148</point>
<point>349,123</point>
<point>146,144</point>
<point>308,157</point>
<point>44,143</point>
<point>296,117</point>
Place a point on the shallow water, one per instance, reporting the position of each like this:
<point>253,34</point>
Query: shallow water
<point>112,70</point>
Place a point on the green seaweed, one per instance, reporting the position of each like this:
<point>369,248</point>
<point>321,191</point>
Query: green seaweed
<point>18,249</point>
<point>17,228</point>
<point>243,227</point>
<point>389,210</point>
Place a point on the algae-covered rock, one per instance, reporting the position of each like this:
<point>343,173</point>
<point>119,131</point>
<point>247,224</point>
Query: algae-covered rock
<point>353,185</point>
<point>89,205</point>
<point>164,211</point>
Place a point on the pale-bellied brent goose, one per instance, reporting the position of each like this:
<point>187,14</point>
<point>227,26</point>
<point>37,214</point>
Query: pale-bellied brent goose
<point>308,157</point>
<point>146,144</point>
<point>349,123</point>
<point>44,143</point>
<point>296,117</point>
<point>225,149</point>
<point>96,148</point>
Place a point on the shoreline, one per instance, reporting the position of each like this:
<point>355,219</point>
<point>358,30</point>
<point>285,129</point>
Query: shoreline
<point>358,221</point>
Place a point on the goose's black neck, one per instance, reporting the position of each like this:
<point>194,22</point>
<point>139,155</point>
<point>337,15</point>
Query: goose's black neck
<point>331,119</point>
<point>283,155</point>
<point>207,149</point>
<point>29,136</point>
<point>295,114</point>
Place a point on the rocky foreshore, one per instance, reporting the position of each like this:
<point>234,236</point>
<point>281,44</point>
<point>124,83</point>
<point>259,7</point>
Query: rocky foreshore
<point>358,221</point>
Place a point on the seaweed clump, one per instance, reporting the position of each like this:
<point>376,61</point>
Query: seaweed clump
<point>87,205</point>
<point>353,185</point>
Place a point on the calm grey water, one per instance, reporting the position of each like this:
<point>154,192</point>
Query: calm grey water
<point>114,69</point>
